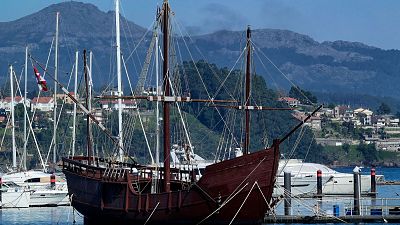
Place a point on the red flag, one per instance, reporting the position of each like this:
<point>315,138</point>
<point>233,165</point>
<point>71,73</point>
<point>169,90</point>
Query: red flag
<point>40,80</point>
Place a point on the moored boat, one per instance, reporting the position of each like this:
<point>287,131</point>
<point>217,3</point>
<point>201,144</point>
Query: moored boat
<point>337,183</point>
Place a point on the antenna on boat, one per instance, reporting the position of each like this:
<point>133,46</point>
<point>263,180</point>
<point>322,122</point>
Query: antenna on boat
<point>247,92</point>
<point>167,93</point>
<point>119,80</point>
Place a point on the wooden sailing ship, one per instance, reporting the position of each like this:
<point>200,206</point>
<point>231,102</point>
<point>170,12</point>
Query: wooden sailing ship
<point>234,191</point>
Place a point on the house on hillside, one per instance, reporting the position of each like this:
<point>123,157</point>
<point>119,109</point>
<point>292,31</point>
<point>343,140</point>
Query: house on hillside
<point>325,112</point>
<point>314,122</point>
<point>292,102</point>
<point>3,117</point>
<point>67,99</point>
<point>343,112</point>
<point>44,104</point>
<point>364,116</point>
<point>6,102</point>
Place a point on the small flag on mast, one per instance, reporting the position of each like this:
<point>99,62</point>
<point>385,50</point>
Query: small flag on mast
<point>40,80</point>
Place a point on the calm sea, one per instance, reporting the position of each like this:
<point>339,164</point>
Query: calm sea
<point>66,215</point>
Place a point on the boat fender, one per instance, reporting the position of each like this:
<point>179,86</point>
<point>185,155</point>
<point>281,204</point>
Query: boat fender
<point>53,181</point>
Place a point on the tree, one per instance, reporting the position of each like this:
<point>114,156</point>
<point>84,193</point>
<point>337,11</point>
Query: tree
<point>303,96</point>
<point>331,106</point>
<point>383,109</point>
<point>397,114</point>
<point>369,152</point>
<point>346,148</point>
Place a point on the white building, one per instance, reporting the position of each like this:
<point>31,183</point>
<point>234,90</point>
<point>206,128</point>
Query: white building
<point>44,104</point>
<point>364,115</point>
<point>6,102</point>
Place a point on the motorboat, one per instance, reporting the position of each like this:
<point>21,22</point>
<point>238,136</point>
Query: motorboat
<point>301,186</point>
<point>14,196</point>
<point>338,183</point>
<point>38,183</point>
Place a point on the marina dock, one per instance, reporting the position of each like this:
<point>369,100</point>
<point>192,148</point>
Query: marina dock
<point>333,219</point>
<point>337,210</point>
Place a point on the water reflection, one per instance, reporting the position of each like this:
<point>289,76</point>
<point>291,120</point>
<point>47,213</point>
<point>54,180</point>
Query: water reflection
<point>63,215</point>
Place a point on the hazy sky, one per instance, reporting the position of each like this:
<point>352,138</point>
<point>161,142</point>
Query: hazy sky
<point>372,22</point>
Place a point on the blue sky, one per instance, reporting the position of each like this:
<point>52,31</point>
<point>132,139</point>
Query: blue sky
<point>372,22</point>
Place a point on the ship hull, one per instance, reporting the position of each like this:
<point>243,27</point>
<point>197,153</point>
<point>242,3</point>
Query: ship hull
<point>237,190</point>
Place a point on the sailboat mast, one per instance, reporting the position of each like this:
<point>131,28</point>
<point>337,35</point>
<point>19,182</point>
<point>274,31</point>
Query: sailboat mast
<point>247,94</point>
<point>14,149</point>
<point>157,106</point>
<point>55,94</point>
<point>89,106</point>
<point>25,93</point>
<point>118,43</point>
<point>89,139</point>
<point>166,94</point>
<point>75,94</point>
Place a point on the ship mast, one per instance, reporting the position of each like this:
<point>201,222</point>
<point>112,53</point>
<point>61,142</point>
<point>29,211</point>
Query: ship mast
<point>247,94</point>
<point>75,95</point>
<point>166,106</point>
<point>157,106</point>
<point>118,43</point>
<point>89,128</point>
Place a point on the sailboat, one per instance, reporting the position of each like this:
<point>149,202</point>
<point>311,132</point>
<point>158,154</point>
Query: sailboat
<point>44,189</point>
<point>13,195</point>
<point>233,191</point>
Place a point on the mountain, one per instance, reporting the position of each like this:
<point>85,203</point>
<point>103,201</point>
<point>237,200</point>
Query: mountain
<point>81,26</point>
<point>330,67</point>
<point>323,67</point>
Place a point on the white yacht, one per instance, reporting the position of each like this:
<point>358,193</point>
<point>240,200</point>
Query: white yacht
<point>42,193</point>
<point>14,196</point>
<point>337,184</point>
<point>301,186</point>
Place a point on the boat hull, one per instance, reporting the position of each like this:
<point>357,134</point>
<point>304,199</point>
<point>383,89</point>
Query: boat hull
<point>237,190</point>
<point>300,186</point>
<point>342,184</point>
<point>15,199</point>
<point>47,197</point>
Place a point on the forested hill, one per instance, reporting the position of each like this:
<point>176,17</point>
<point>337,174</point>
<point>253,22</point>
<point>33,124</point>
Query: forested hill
<point>265,125</point>
<point>204,123</point>
<point>325,67</point>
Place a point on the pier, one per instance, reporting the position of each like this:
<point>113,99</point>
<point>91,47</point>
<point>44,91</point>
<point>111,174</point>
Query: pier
<point>338,210</point>
<point>355,208</point>
<point>333,219</point>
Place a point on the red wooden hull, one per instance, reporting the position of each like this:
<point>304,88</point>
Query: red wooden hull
<point>239,189</point>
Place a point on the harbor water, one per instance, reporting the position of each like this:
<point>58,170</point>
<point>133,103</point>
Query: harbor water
<point>66,215</point>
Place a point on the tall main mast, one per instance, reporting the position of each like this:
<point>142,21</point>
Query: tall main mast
<point>88,124</point>
<point>165,30</point>
<point>119,79</point>
<point>76,96</point>
<point>247,94</point>
<point>157,103</point>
